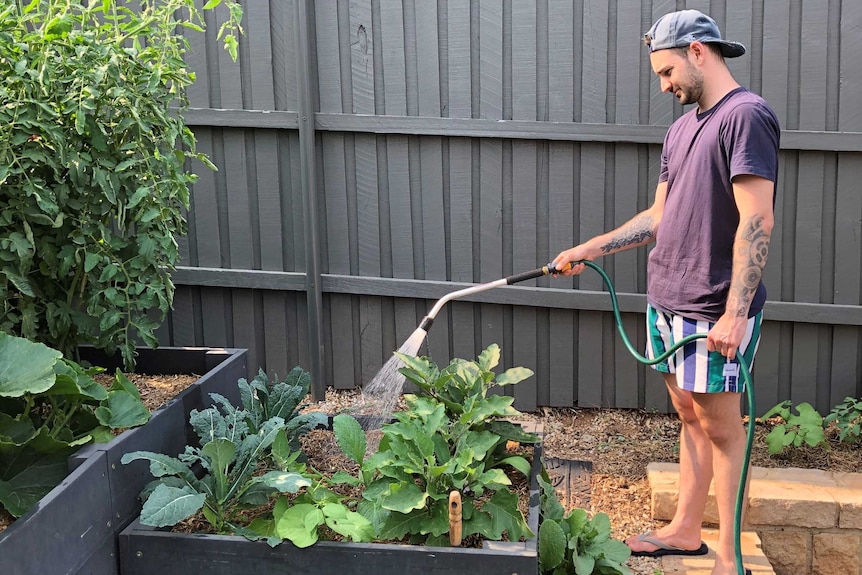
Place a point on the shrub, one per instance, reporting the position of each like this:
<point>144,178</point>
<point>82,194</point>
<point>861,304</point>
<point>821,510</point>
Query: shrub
<point>93,183</point>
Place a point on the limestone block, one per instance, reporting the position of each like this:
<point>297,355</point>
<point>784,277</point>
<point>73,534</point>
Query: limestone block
<point>836,553</point>
<point>791,503</point>
<point>788,551</point>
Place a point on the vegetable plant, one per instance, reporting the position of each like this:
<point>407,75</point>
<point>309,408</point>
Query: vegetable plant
<point>244,453</point>
<point>451,437</point>
<point>50,407</point>
<point>463,388</point>
<point>231,452</point>
<point>806,427</point>
<point>847,417</point>
<point>301,519</point>
<point>93,156</point>
<point>573,543</point>
<point>264,399</point>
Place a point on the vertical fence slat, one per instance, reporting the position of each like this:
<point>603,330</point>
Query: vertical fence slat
<point>328,59</point>
<point>563,338</point>
<point>813,68</point>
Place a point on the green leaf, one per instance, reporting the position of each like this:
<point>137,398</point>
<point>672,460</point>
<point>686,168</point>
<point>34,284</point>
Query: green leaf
<point>513,376</point>
<point>350,437</point>
<point>25,366</point>
<point>775,439</point>
<point>489,358</point>
<point>404,498</point>
<point>285,482</point>
<point>348,523</point>
<point>503,509</point>
<point>91,261</point>
<point>299,524</point>
<point>16,431</point>
<point>170,505</point>
<point>584,564</point>
<point>342,477</point>
<point>123,383</point>
<point>616,551</point>
<point>122,410</point>
<point>212,4</point>
<point>552,545</point>
<point>602,524</point>
<point>34,476</point>
<point>161,465</point>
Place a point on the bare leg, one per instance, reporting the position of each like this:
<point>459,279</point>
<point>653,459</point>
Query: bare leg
<point>695,474</point>
<point>720,417</point>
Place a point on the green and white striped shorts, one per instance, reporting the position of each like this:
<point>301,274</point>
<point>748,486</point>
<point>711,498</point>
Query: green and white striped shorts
<point>697,369</point>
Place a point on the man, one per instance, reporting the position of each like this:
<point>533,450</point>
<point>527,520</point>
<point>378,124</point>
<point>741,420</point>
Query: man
<point>711,222</point>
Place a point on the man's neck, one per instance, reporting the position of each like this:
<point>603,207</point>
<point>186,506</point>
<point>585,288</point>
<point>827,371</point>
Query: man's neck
<point>721,84</point>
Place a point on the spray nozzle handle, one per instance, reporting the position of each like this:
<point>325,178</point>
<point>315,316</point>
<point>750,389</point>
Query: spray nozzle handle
<point>552,269</point>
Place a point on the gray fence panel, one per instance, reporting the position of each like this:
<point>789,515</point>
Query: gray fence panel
<point>482,182</point>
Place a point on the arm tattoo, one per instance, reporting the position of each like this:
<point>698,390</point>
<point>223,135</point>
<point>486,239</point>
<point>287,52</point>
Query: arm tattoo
<point>750,252</point>
<point>635,232</point>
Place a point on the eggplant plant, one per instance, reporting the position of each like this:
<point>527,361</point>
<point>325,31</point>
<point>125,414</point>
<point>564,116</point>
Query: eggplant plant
<point>451,437</point>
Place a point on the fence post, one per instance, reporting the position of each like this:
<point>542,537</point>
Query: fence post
<point>314,293</point>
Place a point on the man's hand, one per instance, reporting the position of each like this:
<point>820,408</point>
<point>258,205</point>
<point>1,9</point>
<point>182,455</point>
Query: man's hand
<point>565,258</point>
<point>726,335</point>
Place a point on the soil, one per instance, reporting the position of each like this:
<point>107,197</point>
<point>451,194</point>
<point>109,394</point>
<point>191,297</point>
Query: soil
<point>619,443</point>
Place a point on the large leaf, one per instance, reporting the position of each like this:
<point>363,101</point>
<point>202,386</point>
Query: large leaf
<point>299,524</point>
<point>503,508</point>
<point>350,436</point>
<point>33,476</point>
<point>513,375</point>
<point>552,545</point>
<point>168,505</point>
<point>71,380</point>
<point>348,523</point>
<point>161,465</point>
<point>285,482</point>
<point>25,366</point>
<point>15,431</point>
<point>122,409</point>
<point>405,498</point>
<point>490,357</point>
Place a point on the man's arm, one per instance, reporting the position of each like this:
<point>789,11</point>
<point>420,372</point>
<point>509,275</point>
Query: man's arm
<point>753,196</point>
<point>638,231</point>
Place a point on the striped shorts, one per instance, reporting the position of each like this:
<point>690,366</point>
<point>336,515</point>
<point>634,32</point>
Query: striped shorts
<point>697,369</point>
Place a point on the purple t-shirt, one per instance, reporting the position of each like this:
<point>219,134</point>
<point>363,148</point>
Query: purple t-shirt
<point>690,266</point>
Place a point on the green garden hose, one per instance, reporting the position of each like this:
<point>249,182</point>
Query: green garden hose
<point>749,389</point>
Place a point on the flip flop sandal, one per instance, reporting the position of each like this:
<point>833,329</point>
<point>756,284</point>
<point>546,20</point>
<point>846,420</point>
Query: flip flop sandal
<point>665,549</point>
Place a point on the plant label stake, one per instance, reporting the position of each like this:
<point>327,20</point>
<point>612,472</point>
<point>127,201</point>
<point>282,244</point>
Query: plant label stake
<point>455,518</point>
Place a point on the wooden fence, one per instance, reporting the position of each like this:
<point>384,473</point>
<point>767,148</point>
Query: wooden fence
<point>375,155</point>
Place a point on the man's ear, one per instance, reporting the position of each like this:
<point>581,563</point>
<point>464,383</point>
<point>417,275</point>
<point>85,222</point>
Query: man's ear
<point>698,51</point>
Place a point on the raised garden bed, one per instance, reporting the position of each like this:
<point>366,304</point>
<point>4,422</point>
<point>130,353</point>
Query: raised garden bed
<point>146,550</point>
<point>74,528</point>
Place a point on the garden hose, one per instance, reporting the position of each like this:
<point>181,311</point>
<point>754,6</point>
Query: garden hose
<point>749,389</point>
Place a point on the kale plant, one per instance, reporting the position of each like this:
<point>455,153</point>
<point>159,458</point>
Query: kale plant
<point>264,399</point>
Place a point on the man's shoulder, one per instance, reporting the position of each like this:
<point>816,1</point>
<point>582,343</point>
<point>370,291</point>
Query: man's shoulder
<point>745,103</point>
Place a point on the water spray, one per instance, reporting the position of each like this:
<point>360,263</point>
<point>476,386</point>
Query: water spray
<point>381,394</point>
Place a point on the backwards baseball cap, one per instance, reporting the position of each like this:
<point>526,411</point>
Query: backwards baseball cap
<point>679,29</point>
